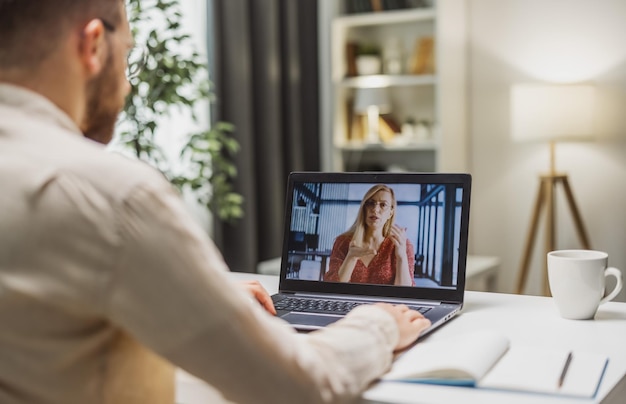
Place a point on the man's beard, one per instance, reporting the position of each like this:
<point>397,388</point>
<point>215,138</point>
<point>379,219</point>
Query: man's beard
<point>102,105</point>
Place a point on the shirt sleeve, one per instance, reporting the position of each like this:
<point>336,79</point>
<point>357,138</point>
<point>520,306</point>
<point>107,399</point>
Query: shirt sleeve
<point>337,256</point>
<point>170,290</point>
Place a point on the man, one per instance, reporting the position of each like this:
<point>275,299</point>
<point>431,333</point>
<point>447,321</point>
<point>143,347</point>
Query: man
<point>104,278</point>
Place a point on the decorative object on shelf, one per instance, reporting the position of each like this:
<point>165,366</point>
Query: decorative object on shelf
<point>373,102</point>
<point>368,59</point>
<point>177,76</point>
<point>408,131</point>
<point>368,65</point>
<point>419,132</point>
<point>422,132</point>
<point>393,57</point>
<point>423,60</point>
<point>551,113</point>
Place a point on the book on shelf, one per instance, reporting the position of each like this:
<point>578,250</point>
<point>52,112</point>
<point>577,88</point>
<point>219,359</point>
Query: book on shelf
<point>487,359</point>
<point>368,6</point>
<point>377,5</point>
<point>394,4</point>
<point>359,6</point>
<point>358,126</point>
<point>388,128</point>
<point>423,60</point>
<point>365,6</point>
<point>352,49</point>
<point>419,3</point>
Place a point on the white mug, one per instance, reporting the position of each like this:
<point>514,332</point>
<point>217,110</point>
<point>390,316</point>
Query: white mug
<point>577,279</point>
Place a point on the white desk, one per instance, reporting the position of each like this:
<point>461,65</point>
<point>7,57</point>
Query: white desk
<point>531,320</point>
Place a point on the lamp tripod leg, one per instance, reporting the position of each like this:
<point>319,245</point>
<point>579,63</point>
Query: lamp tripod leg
<point>550,241</point>
<point>580,227</point>
<point>530,238</point>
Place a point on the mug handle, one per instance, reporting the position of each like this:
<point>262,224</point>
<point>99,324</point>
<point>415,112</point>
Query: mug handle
<point>618,286</point>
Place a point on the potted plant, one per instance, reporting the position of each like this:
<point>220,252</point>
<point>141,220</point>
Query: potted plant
<point>368,59</point>
<point>176,77</point>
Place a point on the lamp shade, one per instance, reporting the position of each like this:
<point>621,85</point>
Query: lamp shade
<point>364,98</point>
<point>545,112</point>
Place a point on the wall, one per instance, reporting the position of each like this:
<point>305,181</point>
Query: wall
<point>514,41</point>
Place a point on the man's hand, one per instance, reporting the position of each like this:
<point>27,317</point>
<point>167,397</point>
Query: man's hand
<point>260,294</point>
<point>410,323</point>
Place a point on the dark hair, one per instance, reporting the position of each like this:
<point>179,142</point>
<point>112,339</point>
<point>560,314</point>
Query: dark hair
<point>31,30</point>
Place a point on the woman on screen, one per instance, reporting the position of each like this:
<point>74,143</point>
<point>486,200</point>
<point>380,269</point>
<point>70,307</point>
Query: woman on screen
<point>374,250</point>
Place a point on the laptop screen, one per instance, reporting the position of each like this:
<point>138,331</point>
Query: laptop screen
<point>385,234</point>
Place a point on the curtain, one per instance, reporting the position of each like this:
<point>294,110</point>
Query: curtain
<point>264,64</point>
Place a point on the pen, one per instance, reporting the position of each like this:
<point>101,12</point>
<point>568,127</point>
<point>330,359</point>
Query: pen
<point>565,367</point>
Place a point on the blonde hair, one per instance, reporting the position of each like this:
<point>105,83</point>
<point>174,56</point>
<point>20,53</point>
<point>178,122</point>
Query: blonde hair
<point>357,230</point>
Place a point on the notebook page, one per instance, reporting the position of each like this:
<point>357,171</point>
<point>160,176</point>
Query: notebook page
<point>538,370</point>
<point>467,356</point>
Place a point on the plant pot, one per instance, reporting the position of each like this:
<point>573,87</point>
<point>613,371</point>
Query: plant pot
<point>368,64</point>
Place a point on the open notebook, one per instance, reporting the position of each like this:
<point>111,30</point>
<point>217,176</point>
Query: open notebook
<point>432,209</point>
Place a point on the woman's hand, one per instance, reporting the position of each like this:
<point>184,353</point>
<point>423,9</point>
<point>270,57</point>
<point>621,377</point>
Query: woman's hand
<point>404,274</point>
<point>398,236</point>
<point>355,251</point>
<point>259,293</point>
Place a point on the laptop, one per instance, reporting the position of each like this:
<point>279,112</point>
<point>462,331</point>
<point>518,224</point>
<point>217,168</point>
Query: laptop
<point>321,207</point>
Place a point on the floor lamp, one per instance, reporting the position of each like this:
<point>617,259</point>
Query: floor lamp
<point>550,113</point>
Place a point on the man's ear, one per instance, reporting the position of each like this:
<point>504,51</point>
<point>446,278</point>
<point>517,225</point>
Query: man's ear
<point>92,47</point>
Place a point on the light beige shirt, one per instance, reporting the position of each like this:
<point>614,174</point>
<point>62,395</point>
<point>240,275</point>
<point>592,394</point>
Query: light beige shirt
<point>105,280</point>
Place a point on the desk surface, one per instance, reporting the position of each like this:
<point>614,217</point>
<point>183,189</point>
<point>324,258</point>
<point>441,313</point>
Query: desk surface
<point>528,320</point>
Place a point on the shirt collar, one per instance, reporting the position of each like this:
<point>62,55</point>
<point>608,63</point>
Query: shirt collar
<point>34,103</point>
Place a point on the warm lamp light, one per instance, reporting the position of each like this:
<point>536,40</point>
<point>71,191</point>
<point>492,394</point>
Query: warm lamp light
<point>551,113</point>
<point>373,101</point>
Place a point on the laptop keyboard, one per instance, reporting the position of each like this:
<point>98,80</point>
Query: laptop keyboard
<point>326,306</point>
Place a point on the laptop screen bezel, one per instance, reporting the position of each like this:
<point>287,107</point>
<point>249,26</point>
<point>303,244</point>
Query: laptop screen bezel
<point>358,289</point>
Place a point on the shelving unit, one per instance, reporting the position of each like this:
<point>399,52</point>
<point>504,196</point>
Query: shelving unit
<point>388,80</point>
<point>436,98</point>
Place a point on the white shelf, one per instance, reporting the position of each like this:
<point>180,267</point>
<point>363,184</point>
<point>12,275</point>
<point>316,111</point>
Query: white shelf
<point>385,17</point>
<point>437,98</point>
<point>388,147</point>
<point>412,96</point>
<point>384,80</point>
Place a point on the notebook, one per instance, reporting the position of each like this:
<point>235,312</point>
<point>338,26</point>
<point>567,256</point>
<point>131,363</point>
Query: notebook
<point>320,281</point>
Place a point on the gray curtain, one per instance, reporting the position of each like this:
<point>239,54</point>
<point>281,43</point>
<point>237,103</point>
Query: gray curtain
<point>265,69</point>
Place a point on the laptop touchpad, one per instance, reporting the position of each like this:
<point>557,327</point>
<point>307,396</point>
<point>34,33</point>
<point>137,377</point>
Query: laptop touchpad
<point>310,319</point>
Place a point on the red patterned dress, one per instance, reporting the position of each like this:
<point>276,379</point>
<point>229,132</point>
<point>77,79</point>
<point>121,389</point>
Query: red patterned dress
<point>381,269</point>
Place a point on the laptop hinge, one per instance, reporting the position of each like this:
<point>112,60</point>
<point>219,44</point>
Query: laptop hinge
<point>373,299</point>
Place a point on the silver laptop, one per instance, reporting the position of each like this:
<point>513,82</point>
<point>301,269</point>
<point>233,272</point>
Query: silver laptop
<point>321,208</point>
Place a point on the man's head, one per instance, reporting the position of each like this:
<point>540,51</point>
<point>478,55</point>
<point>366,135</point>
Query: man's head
<point>72,52</point>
